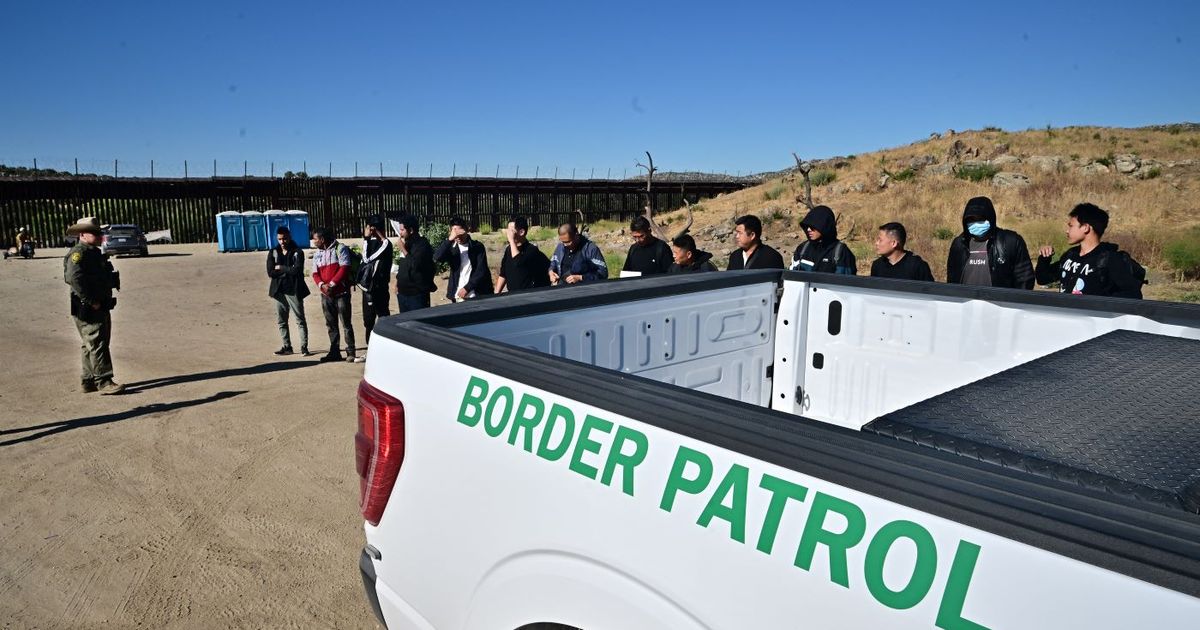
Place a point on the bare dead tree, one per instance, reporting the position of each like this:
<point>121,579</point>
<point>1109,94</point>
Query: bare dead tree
<point>804,168</point>
<point>583,227</point>
<point>649,207</point>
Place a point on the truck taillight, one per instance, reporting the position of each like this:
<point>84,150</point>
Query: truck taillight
<point>378,448</point>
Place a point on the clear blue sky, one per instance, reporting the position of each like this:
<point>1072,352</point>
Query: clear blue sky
<point>730,86</point>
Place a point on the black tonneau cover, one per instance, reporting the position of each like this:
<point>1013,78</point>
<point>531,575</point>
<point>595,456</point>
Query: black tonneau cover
<point>1114,414</point>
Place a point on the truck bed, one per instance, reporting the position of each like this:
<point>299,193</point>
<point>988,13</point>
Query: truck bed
<point>1067,416</point>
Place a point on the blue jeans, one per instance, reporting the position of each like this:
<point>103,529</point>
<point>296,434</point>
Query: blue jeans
<point>406,303</point>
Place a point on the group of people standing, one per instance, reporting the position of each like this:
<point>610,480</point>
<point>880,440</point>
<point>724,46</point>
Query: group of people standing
<point>982,255</point>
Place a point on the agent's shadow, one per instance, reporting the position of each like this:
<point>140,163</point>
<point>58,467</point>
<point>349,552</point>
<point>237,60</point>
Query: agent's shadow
<point>51,428</point>
<point>166,381</point>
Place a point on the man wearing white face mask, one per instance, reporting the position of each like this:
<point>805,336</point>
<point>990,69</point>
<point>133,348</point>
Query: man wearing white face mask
<point>985,255</point>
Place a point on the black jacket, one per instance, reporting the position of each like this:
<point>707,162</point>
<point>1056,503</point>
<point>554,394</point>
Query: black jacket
<point>701,261</point>
<point>1103,271</point>
<point>414,272</point>
<point>381,272</point>
<point>911,267</point>
<point>654,257</point>
<point>764,257</point>
<point>481,277</point>
<point>827,255</point>
<point>1008,258</point>
<point>289,279</point>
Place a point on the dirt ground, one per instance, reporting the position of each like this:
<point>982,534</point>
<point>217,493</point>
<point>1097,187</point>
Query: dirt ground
<point>219,492</point>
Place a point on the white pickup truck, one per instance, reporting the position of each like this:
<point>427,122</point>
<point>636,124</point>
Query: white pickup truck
<point>769,449</point>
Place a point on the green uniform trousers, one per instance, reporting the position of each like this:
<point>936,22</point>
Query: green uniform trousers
<point>97,361</point>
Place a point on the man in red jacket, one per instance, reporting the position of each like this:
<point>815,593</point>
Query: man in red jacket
<point>331,274</point>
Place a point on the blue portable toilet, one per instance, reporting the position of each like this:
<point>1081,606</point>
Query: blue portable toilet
<point>275,220</point>
<point>231,236</point>
<point>298,224</point>
<point>255,225</point>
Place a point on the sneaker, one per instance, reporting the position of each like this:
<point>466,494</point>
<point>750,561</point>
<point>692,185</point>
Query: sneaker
<point>360,359</point>
<point>284,350</point>
<point>332,356</point>
<point>304,351</point>
<point>350,358</point>
<point>88,388</point>
<point>109,388</point>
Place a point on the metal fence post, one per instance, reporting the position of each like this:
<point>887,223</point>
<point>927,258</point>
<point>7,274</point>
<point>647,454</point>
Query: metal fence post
<point>76,167</point>
<point>151,169</point>
<point>185,175</point>
<point>214,169</point>
<point>115,168</point>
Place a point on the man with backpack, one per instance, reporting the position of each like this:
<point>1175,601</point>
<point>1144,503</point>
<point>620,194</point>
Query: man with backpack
<point>1091,267</point>
<point>986,255</point>
<point>823,252</point>
<point>374,272</point>
<point>331,274</point>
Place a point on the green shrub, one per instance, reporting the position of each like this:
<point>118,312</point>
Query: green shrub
<point>541,234</point>
<point>614,260</point>
<point>977,172</point>
<point>1153,172</point>
<point>904,175</point>
<point>1183,253</point>
<point>1096,136</point>
<point>821,178</point>
<point>943,234</point>
<point>992,128</point>
<point>486,228</point>
<point>774,192</point>
<point>1106,160</point>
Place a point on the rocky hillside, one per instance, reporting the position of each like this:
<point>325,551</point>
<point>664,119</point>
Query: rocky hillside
<point>1148,179</point>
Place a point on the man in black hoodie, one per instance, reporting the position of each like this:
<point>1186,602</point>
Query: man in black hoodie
<point>752,253</point>
<point>414,269</point>
<point>688,259</point>
<point>894,261</point>
<point>373,280</point>
<point>1091,267</point>
<point>823,252</point>
<point>985,255</point>
<point>467,258</point>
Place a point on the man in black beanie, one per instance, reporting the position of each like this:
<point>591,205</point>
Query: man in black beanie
<point>985,255</point>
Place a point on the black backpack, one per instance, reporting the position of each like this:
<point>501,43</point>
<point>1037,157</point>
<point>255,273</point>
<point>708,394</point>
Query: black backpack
<point>1135,269</point>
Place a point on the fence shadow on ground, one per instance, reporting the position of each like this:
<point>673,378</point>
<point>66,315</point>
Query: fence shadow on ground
<point>52,428</point>
<point>265,368</point>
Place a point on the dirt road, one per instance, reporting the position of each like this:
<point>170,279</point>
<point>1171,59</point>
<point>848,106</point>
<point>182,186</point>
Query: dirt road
<point>219,492</point>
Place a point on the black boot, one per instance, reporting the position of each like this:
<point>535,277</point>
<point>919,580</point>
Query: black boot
<point>333,355</point>
<point>304,351</point>
<point>284,350</point>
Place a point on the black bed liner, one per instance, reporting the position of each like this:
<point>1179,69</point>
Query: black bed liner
<point>1114,414</point>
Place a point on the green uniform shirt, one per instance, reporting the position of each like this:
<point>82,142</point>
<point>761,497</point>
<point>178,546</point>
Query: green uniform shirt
<point>89,274</point>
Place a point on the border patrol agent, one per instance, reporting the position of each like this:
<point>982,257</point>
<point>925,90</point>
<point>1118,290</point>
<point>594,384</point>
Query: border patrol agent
<point>92,280</point>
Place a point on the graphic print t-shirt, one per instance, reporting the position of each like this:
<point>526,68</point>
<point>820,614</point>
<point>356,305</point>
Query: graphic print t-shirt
<point>977,271</point>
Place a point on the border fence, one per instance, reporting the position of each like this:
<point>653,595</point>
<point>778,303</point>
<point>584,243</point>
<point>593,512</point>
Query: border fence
<point>187,207</point>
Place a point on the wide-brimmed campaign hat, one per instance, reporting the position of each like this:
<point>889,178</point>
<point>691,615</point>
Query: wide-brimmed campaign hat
<point>86,224</point>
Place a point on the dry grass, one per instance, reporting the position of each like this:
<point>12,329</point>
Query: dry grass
<point>1145,213</point>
